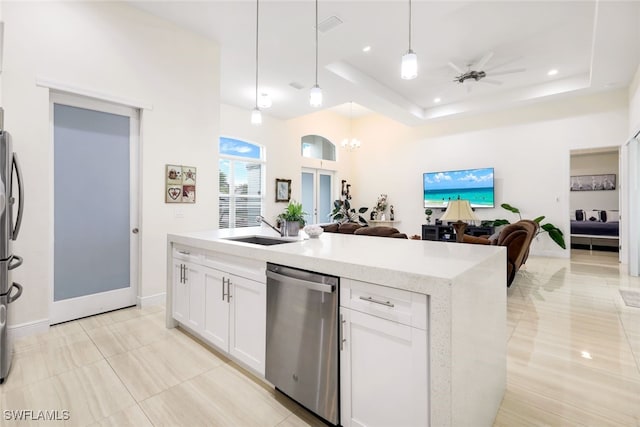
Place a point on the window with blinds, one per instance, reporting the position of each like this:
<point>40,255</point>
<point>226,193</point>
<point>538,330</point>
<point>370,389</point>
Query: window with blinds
<point>241,177</point>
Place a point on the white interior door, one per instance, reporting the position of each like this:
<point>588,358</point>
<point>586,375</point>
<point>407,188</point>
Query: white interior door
<point>317,195</point>
<point>631,222</point>
<point>95,180</point>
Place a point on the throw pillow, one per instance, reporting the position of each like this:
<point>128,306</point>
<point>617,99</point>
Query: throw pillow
<point>602,216</point>
<point>581,215</point>
<point>613,216</point>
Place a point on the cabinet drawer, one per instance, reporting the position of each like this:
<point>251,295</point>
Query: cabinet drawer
<point>408,308</point>
<point>187,253</point>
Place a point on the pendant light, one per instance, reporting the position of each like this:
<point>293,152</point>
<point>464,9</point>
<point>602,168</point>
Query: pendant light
<point>409,67</point>
<point>315,97</point>
<point>256,115</point>
<point>350,143</point>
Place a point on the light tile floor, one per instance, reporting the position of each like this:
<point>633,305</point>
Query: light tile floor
<point>574,358</point>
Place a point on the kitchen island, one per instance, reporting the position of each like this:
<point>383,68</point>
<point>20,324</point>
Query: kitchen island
<point>463,324</point>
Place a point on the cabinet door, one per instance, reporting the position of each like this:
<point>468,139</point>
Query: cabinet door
<point>216,321</point>
<point>384,380</point>
<point>180,307</point>
<point>247,325</point>
<point>194,278</point>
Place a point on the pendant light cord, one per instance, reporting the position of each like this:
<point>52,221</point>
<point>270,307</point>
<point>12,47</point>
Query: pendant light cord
<point>316,42</point>
<point>409,25</point>
<point>257,22</point>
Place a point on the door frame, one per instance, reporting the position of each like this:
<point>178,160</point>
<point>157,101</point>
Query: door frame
<point>61,311</point>
<point>316,172</point>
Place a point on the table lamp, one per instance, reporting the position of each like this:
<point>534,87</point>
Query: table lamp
<point>459,211</point>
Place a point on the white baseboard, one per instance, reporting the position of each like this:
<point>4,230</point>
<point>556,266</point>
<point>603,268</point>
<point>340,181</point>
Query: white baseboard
<point>157,299</point>
<point>29,328</point>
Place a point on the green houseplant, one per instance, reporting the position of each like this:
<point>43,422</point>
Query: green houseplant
<point>554,232</point>
<point>428,213</point>
<point>293,218</point>
<point>343,212</point>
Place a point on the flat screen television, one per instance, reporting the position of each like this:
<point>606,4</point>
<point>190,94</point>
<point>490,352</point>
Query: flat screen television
<point>475,185</point>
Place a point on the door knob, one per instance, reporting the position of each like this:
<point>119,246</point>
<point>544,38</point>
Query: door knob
<point>135,230</point>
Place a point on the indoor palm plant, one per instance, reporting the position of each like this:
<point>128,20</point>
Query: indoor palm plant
<point>292,218</point>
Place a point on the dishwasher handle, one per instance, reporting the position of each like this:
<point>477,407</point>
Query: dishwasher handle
<point>321,287</point>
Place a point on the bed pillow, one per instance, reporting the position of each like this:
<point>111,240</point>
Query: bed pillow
<point>613,216</point>
<point>581,215</point>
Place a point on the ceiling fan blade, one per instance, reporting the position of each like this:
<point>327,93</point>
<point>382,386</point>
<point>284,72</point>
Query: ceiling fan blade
<point>515,70</point>
<point>491,82</point>
<point>503,63</point>
<point>482,62</point>
<point>456,68</point>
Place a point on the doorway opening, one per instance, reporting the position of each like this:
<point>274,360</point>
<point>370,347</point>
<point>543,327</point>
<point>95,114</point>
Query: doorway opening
<point>594,203</point>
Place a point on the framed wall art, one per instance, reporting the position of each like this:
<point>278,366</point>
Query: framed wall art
<point>283,190</point>
<point>180,184</point>
<point>593,182</point>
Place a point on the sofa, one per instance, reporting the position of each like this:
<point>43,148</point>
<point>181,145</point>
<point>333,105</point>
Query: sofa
<point>516,238</point>
<point>360,230</point>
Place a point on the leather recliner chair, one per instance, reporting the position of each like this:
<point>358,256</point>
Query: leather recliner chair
<point>516,238</point>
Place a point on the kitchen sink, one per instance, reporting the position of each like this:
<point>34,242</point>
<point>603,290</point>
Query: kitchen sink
<point>259,240</point>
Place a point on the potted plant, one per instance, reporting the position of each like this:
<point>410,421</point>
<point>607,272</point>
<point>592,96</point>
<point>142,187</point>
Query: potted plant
<point>428,213</point>
<point>343,212</point>
<point>292,218</point>
<point>554,232</point>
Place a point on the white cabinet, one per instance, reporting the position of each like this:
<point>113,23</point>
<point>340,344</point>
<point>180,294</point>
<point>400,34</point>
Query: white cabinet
<point>218,298</point>
<point>384,363</point>
<point>188,293</point>
<point>235,316</point>
<point>247,325</point>
<point>216,322</point>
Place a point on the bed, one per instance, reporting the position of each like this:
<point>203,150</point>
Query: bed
<point>600,231</point>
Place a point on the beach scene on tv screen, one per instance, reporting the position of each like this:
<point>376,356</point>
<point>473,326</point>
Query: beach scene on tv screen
<point>474,185</point>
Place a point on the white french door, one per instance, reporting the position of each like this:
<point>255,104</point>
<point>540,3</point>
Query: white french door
<point>317,195</point>
<point>95,206</point>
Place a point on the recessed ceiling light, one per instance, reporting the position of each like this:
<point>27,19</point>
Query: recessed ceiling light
<point>366,48</point>
<point>585,354</point>
<point>436,100</point>
<point>552,72</point>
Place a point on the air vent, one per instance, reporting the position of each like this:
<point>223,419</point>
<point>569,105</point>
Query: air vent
<point>296,85</point>
<point>329,24</point>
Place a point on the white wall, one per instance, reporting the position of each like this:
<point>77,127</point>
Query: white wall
<point>110,48</point>
<point>595,164</point>
<point>529,147</point>
<point>282,139</point>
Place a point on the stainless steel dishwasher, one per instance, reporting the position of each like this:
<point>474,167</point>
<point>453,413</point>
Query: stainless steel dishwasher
<point>302,338</point>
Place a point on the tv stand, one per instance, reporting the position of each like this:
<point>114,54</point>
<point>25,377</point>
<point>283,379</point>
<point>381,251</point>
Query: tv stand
<point>445,233</point>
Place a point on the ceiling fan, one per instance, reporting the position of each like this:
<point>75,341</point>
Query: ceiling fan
<point>476,72</point>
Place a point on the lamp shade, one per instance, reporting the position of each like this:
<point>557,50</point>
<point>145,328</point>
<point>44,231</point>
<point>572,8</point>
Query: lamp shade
<point>315,96</point>
<point>459,210</point>
<point>256,116</point>
<point>409,67</point>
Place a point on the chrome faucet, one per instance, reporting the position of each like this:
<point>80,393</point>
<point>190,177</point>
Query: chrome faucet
<point>260,218</point>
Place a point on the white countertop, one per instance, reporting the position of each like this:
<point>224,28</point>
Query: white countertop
<point>415,265</point>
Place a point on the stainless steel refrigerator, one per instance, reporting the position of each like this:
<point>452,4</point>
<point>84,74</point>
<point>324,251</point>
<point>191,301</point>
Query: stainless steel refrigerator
<point>9,290</point>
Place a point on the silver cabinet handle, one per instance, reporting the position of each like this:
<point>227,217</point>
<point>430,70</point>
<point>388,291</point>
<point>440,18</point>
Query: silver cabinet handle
<point>229,290</point>
<point>181,273</point>
<point>186,271</point>
<point>342,338</point>
<point>370,299</point>
<point>224,294</point>
<point>184,252</point>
